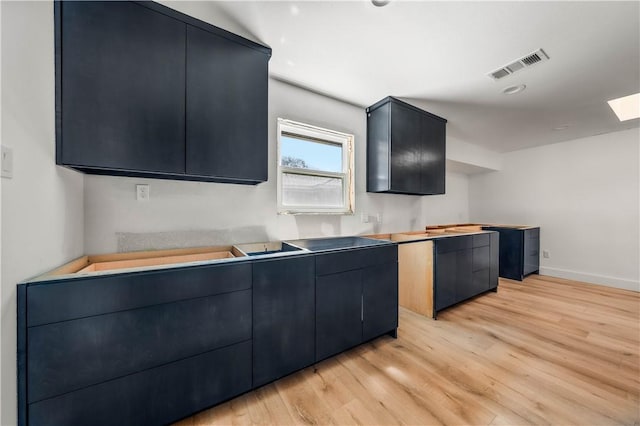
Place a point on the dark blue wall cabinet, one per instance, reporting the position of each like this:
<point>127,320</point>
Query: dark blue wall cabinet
<point>152,347</point>
<point>405,149</point>
<point>519,251</point>
<point>143,90</point>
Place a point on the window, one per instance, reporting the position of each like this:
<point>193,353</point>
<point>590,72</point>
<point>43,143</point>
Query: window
<point>315,169</point>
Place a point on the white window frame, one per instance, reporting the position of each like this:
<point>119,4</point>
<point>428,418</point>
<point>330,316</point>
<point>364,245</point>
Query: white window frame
<point>307,131</point>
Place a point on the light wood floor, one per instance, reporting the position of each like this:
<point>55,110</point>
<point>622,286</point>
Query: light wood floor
<point>544,351</point>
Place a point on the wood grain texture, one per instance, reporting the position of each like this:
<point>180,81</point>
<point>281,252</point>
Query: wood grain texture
<point>541,351</point>
<point>415,277</point>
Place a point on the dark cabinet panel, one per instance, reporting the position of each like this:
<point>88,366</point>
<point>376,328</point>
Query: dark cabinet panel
<point>283,317</point>
<point>227,86</point>
<point>95,295</point>
<point>69,355</point>
<point>531,255</point>
<point>143,90</point>
<point>156,396</point>
<point>464,267</point>
<point>432,155</point>
<point>405,149</point>
<point>121,87</point>
<point>347,260</point>
<point>519,251</point>
<point>406,142</point>
<point>338,312</point>
<point>446,280</point>
<point>380,300</point>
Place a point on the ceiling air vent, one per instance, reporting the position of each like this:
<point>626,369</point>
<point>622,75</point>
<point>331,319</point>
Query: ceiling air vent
<point>524,62</point>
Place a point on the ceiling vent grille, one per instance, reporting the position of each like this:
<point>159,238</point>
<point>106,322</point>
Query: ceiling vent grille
<point>524,62</point>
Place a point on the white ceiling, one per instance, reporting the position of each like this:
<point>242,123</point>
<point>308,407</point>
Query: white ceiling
<point>436,55</point>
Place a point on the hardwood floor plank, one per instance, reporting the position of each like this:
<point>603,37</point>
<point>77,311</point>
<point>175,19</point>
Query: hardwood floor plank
<point>542,351</point>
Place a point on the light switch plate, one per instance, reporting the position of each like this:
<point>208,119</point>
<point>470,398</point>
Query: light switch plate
<point>7,162</point>
<point>142,193</point>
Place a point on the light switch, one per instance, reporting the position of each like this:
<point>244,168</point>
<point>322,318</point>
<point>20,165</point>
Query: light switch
<point>142,193</point>
<point>7,162</point>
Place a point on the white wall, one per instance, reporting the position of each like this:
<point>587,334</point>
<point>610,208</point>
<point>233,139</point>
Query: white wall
<point>585,196</point>
<point>223,213</point>
<point>42,213</point>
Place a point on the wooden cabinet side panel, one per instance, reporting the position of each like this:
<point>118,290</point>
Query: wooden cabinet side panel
<point>415,277</point>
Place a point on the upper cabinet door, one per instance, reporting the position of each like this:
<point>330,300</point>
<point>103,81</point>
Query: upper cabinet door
<point>121,77</point>
<point>227,88</point>
<point>432,155</point>
<point>406,140</point>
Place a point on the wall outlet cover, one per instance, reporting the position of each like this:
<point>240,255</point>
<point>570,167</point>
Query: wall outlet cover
<point>142,193</point>
<point>7,162</point>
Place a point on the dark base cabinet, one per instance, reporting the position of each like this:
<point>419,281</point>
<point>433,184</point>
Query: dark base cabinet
<point>465,266</point>
<point>152,347</point>
<point>283,317</point>
<point>519,251</point>
<point>356,298</point>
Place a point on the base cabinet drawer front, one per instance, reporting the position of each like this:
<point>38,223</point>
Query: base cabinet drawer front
<point>83,297</point>
<point>481,240</point>
<point>338,312</point>
<point>349,260</point>
<point>159,395</point>
<point>447,244</point>
<point>480,282</point>
<point>481,258</point>
<point>69,355</point>
<point>380,300</point>
<point>283,317</point>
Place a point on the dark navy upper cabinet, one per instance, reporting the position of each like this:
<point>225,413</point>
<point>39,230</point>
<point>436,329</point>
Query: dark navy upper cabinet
<point>143,90</point>
<point>405,149</point>
<point>121,87</point>
<point>226,108</point>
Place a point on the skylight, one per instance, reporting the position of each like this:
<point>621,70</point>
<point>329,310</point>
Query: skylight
<point>627,107</point>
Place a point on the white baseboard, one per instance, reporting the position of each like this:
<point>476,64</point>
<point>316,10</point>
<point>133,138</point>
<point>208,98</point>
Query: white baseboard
<point>592,278</point>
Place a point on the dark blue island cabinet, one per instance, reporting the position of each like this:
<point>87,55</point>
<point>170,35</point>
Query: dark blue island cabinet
<point>152,346</point>
<point>465,266</point>
<point>519,250</point>
<point>143,90</point>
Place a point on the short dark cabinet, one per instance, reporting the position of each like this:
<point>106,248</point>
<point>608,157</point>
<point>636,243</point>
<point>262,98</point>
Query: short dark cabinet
<point>519,251</point>
<point>338,312</point>
<point>143,90</point>
<point>356,298</point>
<point>283,317</point>
<point>465,266</point>
<point>405,149</point>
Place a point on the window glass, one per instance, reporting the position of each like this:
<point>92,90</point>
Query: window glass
<point>307,154</point>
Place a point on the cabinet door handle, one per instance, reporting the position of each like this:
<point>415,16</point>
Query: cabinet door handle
<point>362,308</point>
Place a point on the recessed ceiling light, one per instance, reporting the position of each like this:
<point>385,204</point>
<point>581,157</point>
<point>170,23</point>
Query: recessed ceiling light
<point>380,3</point>
<point>512,90</point>
<point>627,107</point>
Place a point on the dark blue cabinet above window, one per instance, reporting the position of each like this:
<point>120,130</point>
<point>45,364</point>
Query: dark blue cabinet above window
<point>405,149</point>
<point>143,90</point>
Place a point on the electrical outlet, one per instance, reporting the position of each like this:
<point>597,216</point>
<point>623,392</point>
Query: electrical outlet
<point>7,162</point>
<point>379,217</point>
<point>364,217</point>
<point>545,254</point>
<point>142,193</point>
